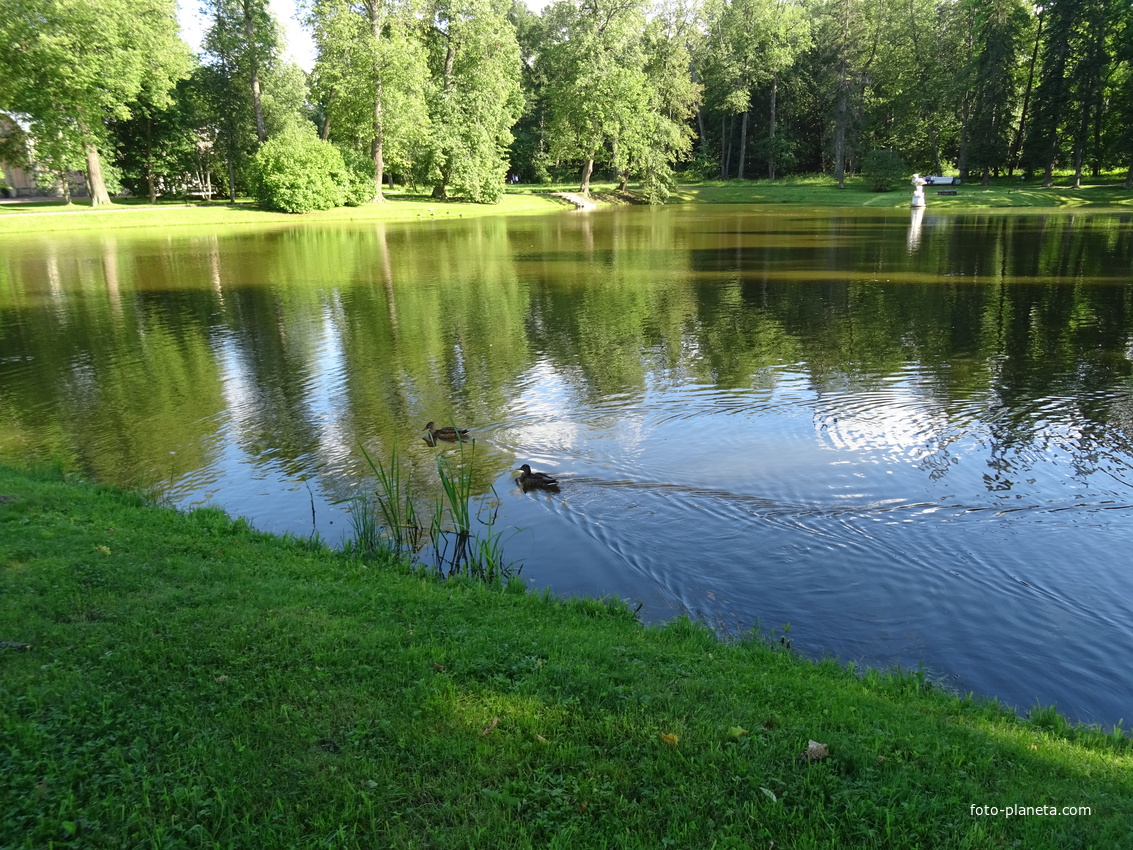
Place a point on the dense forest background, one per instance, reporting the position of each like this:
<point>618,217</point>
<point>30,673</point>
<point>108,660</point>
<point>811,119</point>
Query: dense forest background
<point>457,97</point>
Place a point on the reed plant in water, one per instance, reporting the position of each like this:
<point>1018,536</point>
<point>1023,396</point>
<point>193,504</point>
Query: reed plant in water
<point>462,550</point>
<point>394,501</point>
<point>461,528</point>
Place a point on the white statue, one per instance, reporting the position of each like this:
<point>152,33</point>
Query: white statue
<point>918,191</point>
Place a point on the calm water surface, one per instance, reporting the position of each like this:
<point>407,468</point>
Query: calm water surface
<point>910,438</point>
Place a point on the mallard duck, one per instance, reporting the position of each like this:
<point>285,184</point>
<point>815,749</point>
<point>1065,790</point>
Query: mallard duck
<point>446,433</point>
<point>527,478</point>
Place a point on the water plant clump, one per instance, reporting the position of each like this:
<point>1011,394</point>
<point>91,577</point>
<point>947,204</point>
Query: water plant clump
<point>460,536</point>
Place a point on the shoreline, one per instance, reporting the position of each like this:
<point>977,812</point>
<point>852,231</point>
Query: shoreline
<point>173,677</point>
<point>1003,196</point>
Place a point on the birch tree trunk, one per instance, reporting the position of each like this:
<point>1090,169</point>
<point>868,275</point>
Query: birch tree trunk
<point>257,103</point>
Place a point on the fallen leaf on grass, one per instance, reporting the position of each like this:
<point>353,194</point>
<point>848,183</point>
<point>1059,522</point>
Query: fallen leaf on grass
<point>669,738</point>
<point>736,732</point>
<point>440,668</point>
<point>769,793</point>
<point>814,752</point>
<point>490,726</point>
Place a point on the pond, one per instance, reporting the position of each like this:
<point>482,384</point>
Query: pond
<point>906,435</point>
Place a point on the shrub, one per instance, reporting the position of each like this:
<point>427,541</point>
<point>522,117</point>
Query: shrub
<point>360,178</point>
<point>884,170</point>
<point>298,172</point>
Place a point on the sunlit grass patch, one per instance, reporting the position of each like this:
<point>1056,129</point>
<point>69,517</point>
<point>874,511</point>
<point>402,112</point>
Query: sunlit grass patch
<point>399,206</point>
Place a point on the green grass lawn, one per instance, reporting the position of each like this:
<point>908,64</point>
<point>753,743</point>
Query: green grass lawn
<point>39,216</point>
<point>178,680</point>
<point>822,191</point>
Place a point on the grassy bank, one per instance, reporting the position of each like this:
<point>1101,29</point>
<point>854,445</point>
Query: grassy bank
<point>41,216</point>
<point>174,680</point>
<point>822,191</point>
<point>814,191</point>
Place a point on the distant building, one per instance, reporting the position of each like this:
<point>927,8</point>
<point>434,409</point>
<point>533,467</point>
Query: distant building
<point>24,182</point>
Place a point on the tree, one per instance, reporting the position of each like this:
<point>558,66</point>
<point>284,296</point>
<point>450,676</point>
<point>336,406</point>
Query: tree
<point>371,79</point>
<point>884,170</point>
<point>158,146</point>
<point>665,131</point>
<point>1077,55</point>
<point>619,89</point>
<point>475,98</point>
<point>750,43</point>
<point>1122,121</point>
<point>847,42</point>
<point>252,94</point>
<point>70,65</point>
<point>244,38</point>
<point>594,63</point>
<point>999,26</point>
<point>529,156</point>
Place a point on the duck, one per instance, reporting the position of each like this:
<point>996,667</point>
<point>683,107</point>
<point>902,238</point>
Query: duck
<point>446,433</point>
<point>527,478</point>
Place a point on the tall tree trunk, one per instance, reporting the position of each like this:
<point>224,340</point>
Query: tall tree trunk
<point>587,170</point>
<point>98,194</point>
<point>965,128</point>
<point>377,144</point>
<point>771,152</point>
<point>841,118</point>
<point>377,148</point>
<point>257,104</point>
<point>151,178</point>
<point>699,112</point>
<point>231,180</point>
<point>1129,177</point>
<point>1017,141</point>
<point>439,191</point>
<point>743,144</point>
<point>725,148</point>
<point>1080,144</point>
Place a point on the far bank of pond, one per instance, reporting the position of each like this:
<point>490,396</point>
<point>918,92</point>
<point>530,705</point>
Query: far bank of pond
<point>816,191</point>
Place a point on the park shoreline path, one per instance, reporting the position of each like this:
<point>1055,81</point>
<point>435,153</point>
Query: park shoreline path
<point>578,200</point>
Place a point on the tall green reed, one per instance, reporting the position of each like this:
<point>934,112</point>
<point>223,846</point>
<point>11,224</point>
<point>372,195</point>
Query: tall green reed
<point>463,550</point>
<point>461,530</point>
<point>394,501</point>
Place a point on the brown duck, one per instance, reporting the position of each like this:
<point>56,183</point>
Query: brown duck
<point>446,433</point>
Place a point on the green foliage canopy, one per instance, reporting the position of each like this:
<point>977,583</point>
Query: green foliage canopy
<point>69,64</point>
